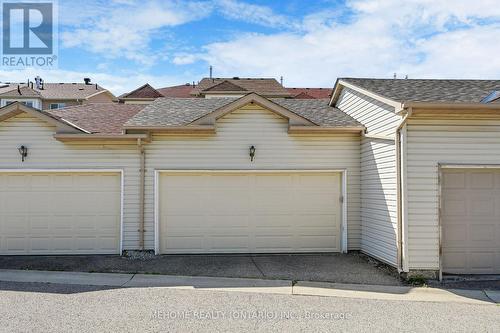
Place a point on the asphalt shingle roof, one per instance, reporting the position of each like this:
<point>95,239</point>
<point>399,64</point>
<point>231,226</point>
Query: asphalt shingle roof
<point>181,91</point>
<point>310,92</point>
<point>54,90</point>
<point>99,118</point>
<point>144,91</point>
<point>428,90</point>
<point>183,111</point>
<point>261,86</point>
<point>177,111</point>
<point>318,111</point>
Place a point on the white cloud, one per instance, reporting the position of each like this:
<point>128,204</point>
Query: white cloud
<point>421,38</point>
<point>251,13</point>
<point>185,59</point>
<point>125,28</point>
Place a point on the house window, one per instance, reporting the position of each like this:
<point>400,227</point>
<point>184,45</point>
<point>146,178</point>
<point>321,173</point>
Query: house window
<point>54,106</point>
<point>28,103</point>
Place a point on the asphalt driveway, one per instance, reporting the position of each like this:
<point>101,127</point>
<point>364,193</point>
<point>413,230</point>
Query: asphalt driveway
<point>341,268</point>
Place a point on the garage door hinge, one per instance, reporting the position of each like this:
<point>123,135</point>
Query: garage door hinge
<point>341,199</point>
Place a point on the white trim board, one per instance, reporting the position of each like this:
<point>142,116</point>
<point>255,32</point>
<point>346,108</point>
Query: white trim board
<point>121,172</point>
<point>343,174</point>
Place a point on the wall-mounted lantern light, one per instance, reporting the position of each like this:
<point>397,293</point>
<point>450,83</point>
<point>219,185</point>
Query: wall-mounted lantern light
<point>252,153</point>
<point>23,151</point>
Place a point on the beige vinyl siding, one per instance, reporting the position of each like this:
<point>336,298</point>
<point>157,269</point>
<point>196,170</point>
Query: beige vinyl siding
<point>276,149</point>
<point>378,174</point>
<point>44,152</point>
<point>377,117</point>
<point>378,199</point>
<point>430,142</point>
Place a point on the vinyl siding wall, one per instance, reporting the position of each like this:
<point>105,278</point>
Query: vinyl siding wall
<point>228,149</point>
<point>47,153</point>
<point>429,143</point>
<point>378,174</point>
<point>275,149</point>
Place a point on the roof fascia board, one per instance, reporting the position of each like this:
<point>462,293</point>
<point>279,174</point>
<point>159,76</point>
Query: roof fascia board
<point>212,117</point>
<point>452,106</point>
<point>398,106</point>
<point>189,129</point>
<point>100,137</point>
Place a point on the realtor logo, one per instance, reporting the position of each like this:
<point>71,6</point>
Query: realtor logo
<point>29,34</point>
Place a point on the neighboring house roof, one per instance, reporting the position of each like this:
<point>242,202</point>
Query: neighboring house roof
<point>181,91</point>
<point>261,86</point>
<point>100,118</point>
<point>310,93</point>
<point>428,90</point>
<point>20,92</point>
<point>225,86</point>
<point>183,111</point>
<point>4,87</point>
<point>68,91</point>
<point>144,91</point>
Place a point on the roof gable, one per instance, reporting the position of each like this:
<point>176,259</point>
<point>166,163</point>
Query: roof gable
<point>225,86</point>
<point>17,108</point>
<point>169,113</point>
<point>252,98</point>
<point>266,87</point>
<point>144,91</point>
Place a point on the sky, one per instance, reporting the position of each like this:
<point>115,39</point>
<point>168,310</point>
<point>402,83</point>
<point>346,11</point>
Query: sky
<point>122,44</point>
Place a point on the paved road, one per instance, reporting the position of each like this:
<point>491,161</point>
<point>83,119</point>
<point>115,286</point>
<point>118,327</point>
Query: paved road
<point>35,307</point>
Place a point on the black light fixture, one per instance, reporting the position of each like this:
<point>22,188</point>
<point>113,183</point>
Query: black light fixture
<point>23,151</point>
<point>252,153</point>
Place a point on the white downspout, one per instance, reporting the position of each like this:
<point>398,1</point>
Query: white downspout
<point>142,175</point>
<point>399,192</point>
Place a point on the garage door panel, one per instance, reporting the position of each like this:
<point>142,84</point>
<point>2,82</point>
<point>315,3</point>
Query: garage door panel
<point>481,205</point>
<point>249,212</point>
<point>60,213</point>
<point>471,221</point>
<point>225,221</point>
<point>454,206</point>
<point>453,180</point>
<point>482,180</point>
<point>317,242</point>
<point>273,221</point>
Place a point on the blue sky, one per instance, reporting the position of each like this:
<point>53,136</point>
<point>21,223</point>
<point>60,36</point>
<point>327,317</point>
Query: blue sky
<point>124,43</point>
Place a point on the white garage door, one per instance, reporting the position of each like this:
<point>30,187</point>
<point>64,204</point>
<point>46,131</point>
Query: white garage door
<point>249,212</point>
<point>471,221</point>
<point>59,213</point>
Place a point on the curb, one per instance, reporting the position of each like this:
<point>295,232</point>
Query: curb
<point>285,287</point>
<point>393,293</point>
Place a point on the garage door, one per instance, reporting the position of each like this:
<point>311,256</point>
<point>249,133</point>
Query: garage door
<point>59,213</point>
<point>249,213</point>
<point>471,221</point>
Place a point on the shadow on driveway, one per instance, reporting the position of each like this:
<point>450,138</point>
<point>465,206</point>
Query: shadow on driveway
<point>351,268</point>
